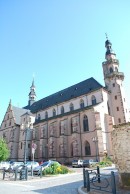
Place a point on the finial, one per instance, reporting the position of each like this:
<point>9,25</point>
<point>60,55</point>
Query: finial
<point>10,101</point>
<point>106,36</point>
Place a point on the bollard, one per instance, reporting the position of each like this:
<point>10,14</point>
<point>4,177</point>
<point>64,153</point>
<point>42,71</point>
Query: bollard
<point>31,170</point>
<point>3,174</point>
<point>98,174</point>
<point>16,172</point>
<point>41,172</point>
<point>26,173</point>
<point>87,179</point>
<point>84,178</point>
<point>113,183</point>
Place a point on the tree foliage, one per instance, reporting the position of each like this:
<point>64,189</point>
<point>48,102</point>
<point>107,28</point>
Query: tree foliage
<point>4,151</point>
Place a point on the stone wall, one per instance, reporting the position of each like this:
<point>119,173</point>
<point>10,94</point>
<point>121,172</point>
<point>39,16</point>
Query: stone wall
<point>121,151</point>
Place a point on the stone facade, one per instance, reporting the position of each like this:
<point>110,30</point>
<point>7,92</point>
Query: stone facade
<point>121,151</point>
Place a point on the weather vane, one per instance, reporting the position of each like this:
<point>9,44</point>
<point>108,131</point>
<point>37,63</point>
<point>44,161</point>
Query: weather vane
<point>106,36</point>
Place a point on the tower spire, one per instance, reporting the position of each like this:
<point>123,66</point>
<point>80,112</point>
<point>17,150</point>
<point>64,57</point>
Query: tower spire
<point>110,54</point>
<point>114,83</point>
<point>32,94</point>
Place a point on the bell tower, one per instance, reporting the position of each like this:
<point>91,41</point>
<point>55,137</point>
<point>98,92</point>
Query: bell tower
<point>113,79</point>
<point>32,94</point>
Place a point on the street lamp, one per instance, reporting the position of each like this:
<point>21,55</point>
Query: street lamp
<point>95,140</point>
<point>28,127</point>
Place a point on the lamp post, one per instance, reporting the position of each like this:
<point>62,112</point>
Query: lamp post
<point>28,127</point>
<point>25,147</point>
<point>95,140</point>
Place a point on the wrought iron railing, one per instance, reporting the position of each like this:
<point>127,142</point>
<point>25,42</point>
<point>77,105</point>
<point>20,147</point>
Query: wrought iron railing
<point>94,180</point>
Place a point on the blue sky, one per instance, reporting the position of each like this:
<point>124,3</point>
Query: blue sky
<point>61,42</point>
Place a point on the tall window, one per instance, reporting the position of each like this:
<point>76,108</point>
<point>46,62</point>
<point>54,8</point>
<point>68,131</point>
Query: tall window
<point>113,84</point>
<point>116,69</point>
<point>71,126</point>
<point>119,120</point>
<point>71,107</point>
<point>81,103</point>
<point>54,112</point>
<point>111,70</point>
<point>46,115</point>
<point>62,110</point>
<point>72,153</point>
<point>93,100</point>
<point>87,148</point>
<point>85,123</point>
<point>108,108</point>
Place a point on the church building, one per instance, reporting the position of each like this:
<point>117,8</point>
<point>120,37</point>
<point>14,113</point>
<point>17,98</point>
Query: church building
<point>73,123</point>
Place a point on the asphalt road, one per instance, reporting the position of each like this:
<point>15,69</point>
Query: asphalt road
<point>61,184</point>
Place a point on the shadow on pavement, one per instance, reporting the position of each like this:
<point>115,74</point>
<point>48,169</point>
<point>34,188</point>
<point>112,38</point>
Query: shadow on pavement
<point>69,188</point>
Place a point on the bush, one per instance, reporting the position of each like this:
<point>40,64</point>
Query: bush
<point>4,150</point>
<point>105,162</point>
<point>55,169</point>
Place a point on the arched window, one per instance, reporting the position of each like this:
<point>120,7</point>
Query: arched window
<point>46,115</point>
<point>71,125</point>
<point>71,148</point>
<point>81,103</point>
<point>108,108</point>
<point>62,110</point>
<point>54,112</point>
<point>71,107</point>
<point>93,100</point>
<point>87,148</point>
<point>85,123</point>
<point>116,69</point>
<point>119,120</point>
<point>111,70</point>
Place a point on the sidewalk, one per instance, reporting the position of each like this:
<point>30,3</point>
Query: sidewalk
<point>119,190</point>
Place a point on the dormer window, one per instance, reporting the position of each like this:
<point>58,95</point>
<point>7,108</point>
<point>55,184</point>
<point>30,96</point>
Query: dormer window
<point>62,110</point>
<point>81,103</point>
<point>39,117</point>
<point>46,115</point>
<point>71,107</point>
<point>93,100</point>
<point>54,112</point>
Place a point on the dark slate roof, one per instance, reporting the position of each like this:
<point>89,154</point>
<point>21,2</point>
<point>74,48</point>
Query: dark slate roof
<point>71,92</point>
<point>17,113</point>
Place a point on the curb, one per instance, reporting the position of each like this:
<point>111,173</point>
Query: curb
<point>80,191</point>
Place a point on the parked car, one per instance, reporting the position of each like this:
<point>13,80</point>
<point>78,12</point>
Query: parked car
<point>31,164</point>
<point>77,163</point>
<point>16,165</point>
<point>44,165</point>
<point>89,163</point>
<point>4,165</point>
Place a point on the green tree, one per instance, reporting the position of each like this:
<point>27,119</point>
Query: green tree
<point>4,151</point>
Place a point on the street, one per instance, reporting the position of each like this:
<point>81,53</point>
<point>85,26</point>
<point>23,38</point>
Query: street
<point>53,185</point>
<point>61,184</point>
